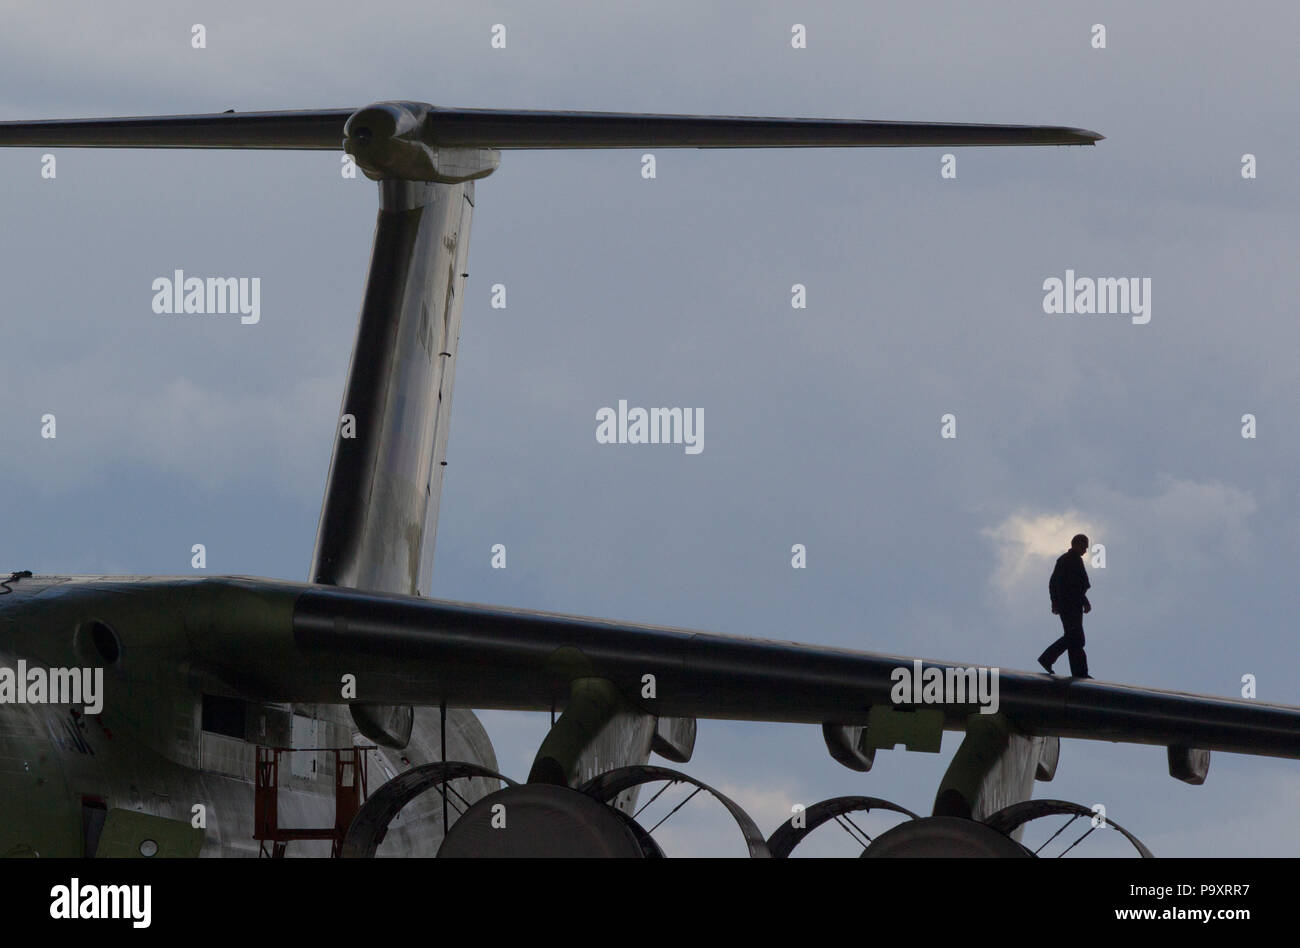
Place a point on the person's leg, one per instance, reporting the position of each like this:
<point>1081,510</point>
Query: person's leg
<point>1075,642</point>
<point>1053,651</point>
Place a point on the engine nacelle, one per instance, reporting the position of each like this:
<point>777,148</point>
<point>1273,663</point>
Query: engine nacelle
<point>543,820</point>
<point>946,836</point>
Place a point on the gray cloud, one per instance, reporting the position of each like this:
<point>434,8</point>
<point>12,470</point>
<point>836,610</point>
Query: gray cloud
<point>822,424</point>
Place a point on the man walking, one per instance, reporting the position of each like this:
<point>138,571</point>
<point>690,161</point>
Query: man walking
<point>1068,588</point>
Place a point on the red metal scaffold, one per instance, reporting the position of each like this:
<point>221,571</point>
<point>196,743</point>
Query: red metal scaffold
<point>350,768</point>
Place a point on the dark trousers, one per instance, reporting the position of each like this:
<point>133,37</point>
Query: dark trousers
<point>1072,622</point>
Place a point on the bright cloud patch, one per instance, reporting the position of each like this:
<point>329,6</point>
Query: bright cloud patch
<point>1028,543</point>
<point>1195,526</point>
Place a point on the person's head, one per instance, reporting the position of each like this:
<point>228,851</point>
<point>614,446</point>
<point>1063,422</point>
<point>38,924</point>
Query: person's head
<point>1079,544</point>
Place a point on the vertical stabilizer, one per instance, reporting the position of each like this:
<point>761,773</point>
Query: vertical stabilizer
<point>379,518</point>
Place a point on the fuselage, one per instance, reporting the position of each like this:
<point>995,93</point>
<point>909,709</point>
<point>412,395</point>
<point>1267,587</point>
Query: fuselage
<point>170,757</point>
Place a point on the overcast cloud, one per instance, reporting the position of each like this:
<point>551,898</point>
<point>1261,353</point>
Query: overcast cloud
<point>822,425</point>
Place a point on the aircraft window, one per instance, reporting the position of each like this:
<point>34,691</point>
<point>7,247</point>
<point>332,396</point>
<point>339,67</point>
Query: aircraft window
<point>224,716</point>
<point>105,641</point>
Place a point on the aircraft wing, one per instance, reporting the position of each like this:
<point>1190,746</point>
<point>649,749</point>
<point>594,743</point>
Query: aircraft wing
<point>408,650</point>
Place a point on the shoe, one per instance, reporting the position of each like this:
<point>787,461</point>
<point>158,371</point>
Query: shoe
<point>1046,667</point>
<point>1089,677</point>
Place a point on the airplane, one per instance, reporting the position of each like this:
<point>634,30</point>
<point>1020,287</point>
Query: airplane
<point>242,715</point>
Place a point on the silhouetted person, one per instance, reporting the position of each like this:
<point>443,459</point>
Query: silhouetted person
<point>1068,587</point>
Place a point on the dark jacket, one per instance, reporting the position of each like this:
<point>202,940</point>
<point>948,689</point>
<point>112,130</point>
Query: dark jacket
<point>1069,583</point>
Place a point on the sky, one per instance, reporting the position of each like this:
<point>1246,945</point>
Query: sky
<point>822,425</point>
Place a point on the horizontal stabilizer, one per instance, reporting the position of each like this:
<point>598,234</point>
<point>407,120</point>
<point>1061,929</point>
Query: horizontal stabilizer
<point>521,129</point>
<point>504,129</point>
<point>316,129</point>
